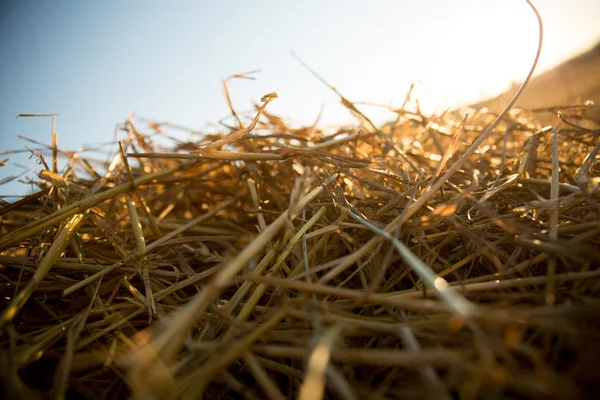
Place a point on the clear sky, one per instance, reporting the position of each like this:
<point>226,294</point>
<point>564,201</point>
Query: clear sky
<point>93,62</point>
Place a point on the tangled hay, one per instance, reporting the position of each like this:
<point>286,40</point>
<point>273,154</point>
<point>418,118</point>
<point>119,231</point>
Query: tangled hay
<point>435,257</point>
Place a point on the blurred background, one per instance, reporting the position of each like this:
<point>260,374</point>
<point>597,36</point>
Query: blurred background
<point>95,62</point>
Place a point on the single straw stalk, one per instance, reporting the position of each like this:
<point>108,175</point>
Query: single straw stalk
<point>553,220</point>
<point>140,242</point>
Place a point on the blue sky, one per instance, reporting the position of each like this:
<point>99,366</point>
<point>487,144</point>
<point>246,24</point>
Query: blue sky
<point>93,62</point>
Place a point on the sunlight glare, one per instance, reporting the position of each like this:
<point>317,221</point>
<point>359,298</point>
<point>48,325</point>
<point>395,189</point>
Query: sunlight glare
<point>482,49</point>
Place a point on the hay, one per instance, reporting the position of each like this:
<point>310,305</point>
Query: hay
<point>434,257</point>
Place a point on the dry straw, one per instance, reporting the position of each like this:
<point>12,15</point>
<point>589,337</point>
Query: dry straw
<point>444,257</point>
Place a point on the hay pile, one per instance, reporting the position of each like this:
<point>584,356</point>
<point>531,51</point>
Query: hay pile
<point>291,259</point>
<point>429,258</point>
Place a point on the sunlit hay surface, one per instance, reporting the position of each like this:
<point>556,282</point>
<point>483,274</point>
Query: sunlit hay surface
<point>257,267</point>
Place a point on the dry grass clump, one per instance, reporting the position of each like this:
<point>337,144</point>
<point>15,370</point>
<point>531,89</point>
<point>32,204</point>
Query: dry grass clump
<point>435,257</point>
<point>295,262</point>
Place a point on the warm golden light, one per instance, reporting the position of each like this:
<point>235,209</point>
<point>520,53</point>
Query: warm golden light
<point>440,284</point>
<point>474,50</point>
